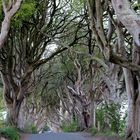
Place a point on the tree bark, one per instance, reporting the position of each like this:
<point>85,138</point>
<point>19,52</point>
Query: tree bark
<point>14,96</point>
<point>92,122</point>
<point>13,113</point>
<point>133,120</point>
<point>128,18</point>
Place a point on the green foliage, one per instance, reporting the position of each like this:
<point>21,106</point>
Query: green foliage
<point>10,133</point>
<point>1,10</point>
<point>109,117</point>
<point>70,67</point>
<point>1,100</point>
<point>100,117</point>
<point>46,128</point>
<point>26,11</point>
<point>78,5</point>
<point>107,133</point>
<point>136,6</point>
<point>2,109</point>
<point>122,126</point>
<point>31,128</point>
<point>70,127</point>
<point>2,124</point>
<point>93,130</point>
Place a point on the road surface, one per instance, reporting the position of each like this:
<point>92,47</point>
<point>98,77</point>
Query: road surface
<point>64,136</point>
<point>56,136</point>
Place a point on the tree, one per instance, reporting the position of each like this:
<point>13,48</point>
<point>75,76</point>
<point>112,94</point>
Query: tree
<point>44,23</point>
<point>118,48</point>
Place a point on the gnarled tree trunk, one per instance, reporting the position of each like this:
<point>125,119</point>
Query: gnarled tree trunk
<point>133,120</point>
<point>14,95</point>
<point>130,21</point>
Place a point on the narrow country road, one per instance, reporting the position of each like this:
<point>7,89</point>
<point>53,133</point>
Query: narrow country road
<point>64,136</point>
<point>56,136</point>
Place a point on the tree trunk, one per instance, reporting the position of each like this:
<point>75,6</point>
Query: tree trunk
<point>133,120</point>
<point>13,112</point>
<point>92,122</point>
<point>14,96</point>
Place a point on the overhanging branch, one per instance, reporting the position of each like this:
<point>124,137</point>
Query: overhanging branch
<point>128,18</point>
<point>124,63</point>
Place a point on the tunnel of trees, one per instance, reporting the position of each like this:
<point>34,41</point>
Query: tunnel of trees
<point>71,61</point>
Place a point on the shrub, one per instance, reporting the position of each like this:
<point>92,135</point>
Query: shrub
<point>108,117</point>
<point>31,128</point>
<point>122,126</point>
<point>2,124</point>
<point>46,128</point>
<point>93,131</point>
<point>108,133</point>
<point>70,127</point>
<point>10,133</point>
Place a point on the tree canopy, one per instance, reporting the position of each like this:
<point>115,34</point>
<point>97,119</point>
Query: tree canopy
<point>71,61</point>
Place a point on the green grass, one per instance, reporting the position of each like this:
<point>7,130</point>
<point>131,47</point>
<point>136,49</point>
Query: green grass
<point>107,133</point>
<point>93,131</point>
<point>10,133</point>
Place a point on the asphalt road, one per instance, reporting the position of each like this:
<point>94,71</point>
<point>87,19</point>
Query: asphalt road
<point>56,136</point>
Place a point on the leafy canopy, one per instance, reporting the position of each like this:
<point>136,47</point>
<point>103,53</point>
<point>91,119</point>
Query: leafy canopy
<point>27,9</point>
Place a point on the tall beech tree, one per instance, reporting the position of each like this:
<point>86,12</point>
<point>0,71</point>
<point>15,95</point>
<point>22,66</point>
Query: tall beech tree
<point>26,47</point>
<point>113,36</point>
